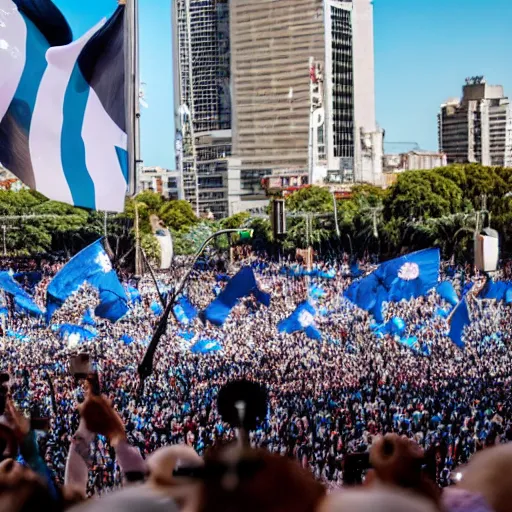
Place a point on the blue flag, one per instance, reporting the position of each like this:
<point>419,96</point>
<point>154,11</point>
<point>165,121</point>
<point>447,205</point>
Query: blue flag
<point>316,291</point>
<point>396,327</point>
<point>133,294</point>
<point>62,107</point>
<point>186,335</point>
<point>205,346</point>
<point>403,278</point>
<point>413,344</point>
<point>23,301</point>
<point>185,312</point>
<point>241,285</point>
<point>20,336</point>
<point>329,274</point>
<point>495,290</point>
<point>355,271</point>
<point>443,313</point>
<point>459,320</point>
<point>87,319</point>
<point>156,307</point>
<point>92,265</point>
<point>127,340</point>
<point>302,319</point>
<point>447,292</point>
<point>29,280</point>
<point>467,288</point>
<point>82,332</point>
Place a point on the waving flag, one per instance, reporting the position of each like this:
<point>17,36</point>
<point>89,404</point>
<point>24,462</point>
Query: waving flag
<point>205,346</point>
<point>396,326</point>
<point>447,292</point>
<point>440,312</point>
<point>241,285</point>
<point>20,336</point>
<point>134,294</point>
<point>316,291</point>
<point>157,308</point>
<point>127,340</point>
<point>403,278</point>
<point>413,344</point>
<point>355,271</point>
<point>22,299</point>
<point>28,280</point>
<point>185,312</point>
<point>186,335</point>
<point>62,108</point>
<point>87,319</point>
<point>81,332</point>
<point>302,319</point>
<point>92,265</point>
<point>496,290</point>
<point>459,320</point>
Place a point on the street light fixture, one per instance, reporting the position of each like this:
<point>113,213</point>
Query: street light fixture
<point>146,366</point>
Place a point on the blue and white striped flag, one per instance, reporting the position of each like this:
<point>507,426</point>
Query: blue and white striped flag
<point>62,105</point>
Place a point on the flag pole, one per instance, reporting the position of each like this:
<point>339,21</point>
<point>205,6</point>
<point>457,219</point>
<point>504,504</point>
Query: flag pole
<point>145,368</point>
<point>132,80</point>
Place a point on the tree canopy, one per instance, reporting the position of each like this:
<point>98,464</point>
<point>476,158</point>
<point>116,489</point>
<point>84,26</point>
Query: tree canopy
<point>422,209</point>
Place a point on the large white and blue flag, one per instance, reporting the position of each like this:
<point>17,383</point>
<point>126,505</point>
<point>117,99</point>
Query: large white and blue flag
<point>243,284</point>
<point>92,265</point>
<point>23,301</point>
<point>404,278</point>
<point>459,320</point>
<point>302,319</point>
<point>62,105</point>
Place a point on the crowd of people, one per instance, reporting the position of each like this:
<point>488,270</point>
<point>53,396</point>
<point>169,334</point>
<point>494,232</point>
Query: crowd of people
<point>328,399</point>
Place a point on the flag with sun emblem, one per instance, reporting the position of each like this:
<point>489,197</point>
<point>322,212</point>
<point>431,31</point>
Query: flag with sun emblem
<point>405,278</point>
<point>92,266</point>
<point>302,319</point>
<point>410,276</point>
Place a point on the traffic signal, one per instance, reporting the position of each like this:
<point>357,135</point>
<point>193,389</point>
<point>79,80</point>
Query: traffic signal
<point>278,218</point>
<point>246,234</point>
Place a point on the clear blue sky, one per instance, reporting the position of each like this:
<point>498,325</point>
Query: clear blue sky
<point>423,51</point>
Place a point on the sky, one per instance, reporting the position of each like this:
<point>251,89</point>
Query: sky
<point>424,49</point>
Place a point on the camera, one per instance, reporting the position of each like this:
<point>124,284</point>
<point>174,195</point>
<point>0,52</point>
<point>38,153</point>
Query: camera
<point>80,365</point>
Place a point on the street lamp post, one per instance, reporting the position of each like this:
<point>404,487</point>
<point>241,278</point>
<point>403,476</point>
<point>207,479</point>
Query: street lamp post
<point>146,366</point>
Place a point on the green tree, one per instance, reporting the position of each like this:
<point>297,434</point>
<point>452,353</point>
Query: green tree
<point>151,199</point>
<point>311,200</point>
<point>178,215</point>
<point>236,221</point>
<point>422,194</point>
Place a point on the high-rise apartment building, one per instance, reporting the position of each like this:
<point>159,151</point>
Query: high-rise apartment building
<point>202,102</point>
<point>477,128</point>
<point>303,94</point>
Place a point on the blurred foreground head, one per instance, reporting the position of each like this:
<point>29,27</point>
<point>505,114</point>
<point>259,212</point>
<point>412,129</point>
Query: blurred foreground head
<point>379,499</point>
<point>21,490</point>
<point>241,479</point>
<point>489,475</point>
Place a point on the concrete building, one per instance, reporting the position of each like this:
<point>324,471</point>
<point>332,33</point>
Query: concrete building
<point>303,95</point>
<point>202,102</point>
<point>164,182</point>
<point>477,128</point>
<point>413,161</point>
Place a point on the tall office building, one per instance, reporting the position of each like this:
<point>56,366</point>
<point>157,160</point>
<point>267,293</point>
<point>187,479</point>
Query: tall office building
<point>303,95</point>
<point>202,101</point>
<point>478,127</point>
